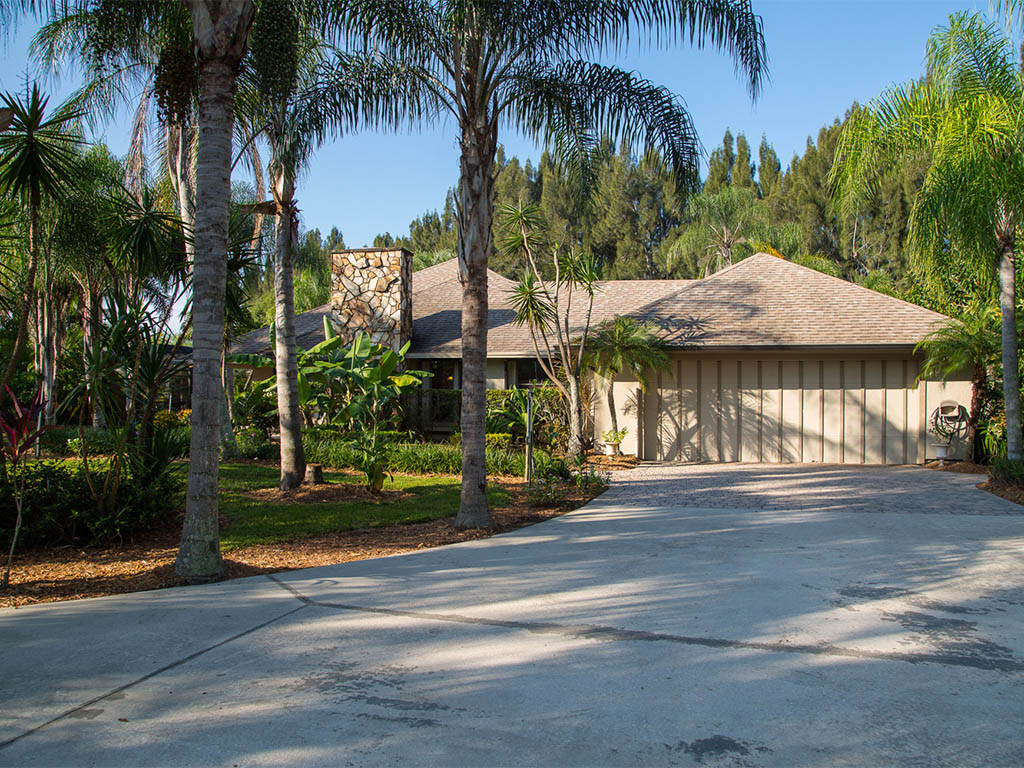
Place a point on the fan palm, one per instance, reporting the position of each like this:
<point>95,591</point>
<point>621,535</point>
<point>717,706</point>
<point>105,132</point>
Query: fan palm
<point>626,344</point>
<point>968,343</point>
<point>525,64</point>
<point>969,114</point>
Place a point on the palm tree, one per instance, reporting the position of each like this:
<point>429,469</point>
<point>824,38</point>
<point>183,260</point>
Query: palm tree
<point>526,63</point>
<point>38,162</point>
<point>969,114</point>
<point>626,344</point>
<point>221,31</point>
<point>215,35</point>
<point>317,93</point>
<point>968,343</point>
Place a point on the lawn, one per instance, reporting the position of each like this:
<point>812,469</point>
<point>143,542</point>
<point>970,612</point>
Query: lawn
<point>253,519</point>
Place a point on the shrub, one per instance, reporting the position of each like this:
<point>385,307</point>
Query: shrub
<point>412,458</point>
<point>252,443</point>
<point>491,439</point>
<point>1010,471</point>
<point>66,441</point>
<point>171,419</point>
<point>59,508</point>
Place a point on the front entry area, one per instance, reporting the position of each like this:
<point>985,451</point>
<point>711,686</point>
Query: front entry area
<point>870,410</point>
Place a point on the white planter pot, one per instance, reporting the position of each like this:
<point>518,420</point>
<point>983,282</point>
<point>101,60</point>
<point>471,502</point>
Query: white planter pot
<point>941,451</point>
<point>611,449</point>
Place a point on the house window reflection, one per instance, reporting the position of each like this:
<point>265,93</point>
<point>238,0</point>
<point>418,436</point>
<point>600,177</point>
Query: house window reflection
<point>529,373</point>
<point>446,374</point>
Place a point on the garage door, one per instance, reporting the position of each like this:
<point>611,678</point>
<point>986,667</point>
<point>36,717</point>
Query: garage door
<point>865,411</point>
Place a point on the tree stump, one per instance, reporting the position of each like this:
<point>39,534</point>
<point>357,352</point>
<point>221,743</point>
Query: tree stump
<point>314,474</point>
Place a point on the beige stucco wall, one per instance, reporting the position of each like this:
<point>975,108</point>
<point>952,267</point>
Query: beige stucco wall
<point>786,409</point>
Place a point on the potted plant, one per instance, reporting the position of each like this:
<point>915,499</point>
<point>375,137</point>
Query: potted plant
<point>612,439</point>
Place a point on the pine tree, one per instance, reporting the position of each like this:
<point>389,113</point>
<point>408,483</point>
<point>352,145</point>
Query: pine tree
<point>769,169</point>
<point>743,171</point>
<point>720,165</point>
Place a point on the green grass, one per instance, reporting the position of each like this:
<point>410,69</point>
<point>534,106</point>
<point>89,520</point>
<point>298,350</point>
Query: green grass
<point>253,522</point>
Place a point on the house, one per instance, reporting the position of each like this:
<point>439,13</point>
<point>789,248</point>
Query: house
<point>770,361</point>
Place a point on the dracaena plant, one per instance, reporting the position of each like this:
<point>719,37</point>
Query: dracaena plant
<point>18,426</point>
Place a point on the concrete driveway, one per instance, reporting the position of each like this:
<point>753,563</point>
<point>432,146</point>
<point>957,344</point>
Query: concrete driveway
<point>693,615</point>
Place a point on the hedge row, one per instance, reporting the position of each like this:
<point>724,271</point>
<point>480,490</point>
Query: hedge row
<point>414,459</point>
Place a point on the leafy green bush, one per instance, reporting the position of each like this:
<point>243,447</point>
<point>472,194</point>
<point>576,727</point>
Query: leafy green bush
<point>253,443</point>
<point>59,507</point>
<point>1010,471</point>
<point>491,439</point>
<point>414,458</point>
<point>66,441</point>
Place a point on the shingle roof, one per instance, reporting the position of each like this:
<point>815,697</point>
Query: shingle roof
<point>760,302</point>
<point>765,301</point>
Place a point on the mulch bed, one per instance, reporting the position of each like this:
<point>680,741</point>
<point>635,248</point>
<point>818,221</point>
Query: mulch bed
<point>996,487</point>
<point>70,573</point>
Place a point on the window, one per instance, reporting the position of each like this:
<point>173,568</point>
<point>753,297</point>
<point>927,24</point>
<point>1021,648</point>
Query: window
<point>529,372</point>
<point>446,374</point>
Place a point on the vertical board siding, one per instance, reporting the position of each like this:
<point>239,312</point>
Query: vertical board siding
<point>770,411</point>
<point>731,419</point>
<point>874,413</point>
<point>669,425</point>
<point>709,410</point>
<point>689,403</point>
<point>895,412</point>
<point>853,412</point>
<point>827,410</point>
<point>811,449</point>
<point>792,411</point>
<point>750,411</point>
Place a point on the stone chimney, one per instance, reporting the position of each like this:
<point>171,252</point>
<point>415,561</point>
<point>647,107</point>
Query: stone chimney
<point>371,291</point>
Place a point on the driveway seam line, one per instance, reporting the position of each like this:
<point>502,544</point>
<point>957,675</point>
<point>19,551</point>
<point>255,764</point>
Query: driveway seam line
<point>148,676</point>
<point>601,632</point>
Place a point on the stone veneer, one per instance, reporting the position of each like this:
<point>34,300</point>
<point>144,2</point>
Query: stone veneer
<point>371,291</point>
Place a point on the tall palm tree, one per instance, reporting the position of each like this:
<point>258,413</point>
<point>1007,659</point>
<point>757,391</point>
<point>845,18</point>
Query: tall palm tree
<point>218,30</point>
<point>38,162</point>
<point>967,343</point>
<point>221,32</point>
<point>968,112</point>
<point>526,63</point>
<point>318,92</point>
<point>626,344</point>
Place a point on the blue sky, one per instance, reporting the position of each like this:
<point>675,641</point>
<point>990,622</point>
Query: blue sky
<point>824,54</point>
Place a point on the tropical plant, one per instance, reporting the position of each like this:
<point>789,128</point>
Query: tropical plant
<point>38,162</point>
<point>625,344</point>
<point>524,64</point>
<point>968,113</point>
<point>968,343</point>
<point>19,428</point>
<point>296,90</point>
<point>544,308</point>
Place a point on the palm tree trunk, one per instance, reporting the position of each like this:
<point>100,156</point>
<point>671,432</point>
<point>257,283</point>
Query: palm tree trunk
<point>475,212</point>
<point>977,395</point>
<point>1011,377</point>
<point>293,459</point>
<point>29,300</point>
<point>91,324</point>
<point>575,448</point>
<point>199,556</point>
<point>611,404</point>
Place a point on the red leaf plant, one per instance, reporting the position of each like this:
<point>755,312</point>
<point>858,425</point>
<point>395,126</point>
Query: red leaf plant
<point>19,432</point>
